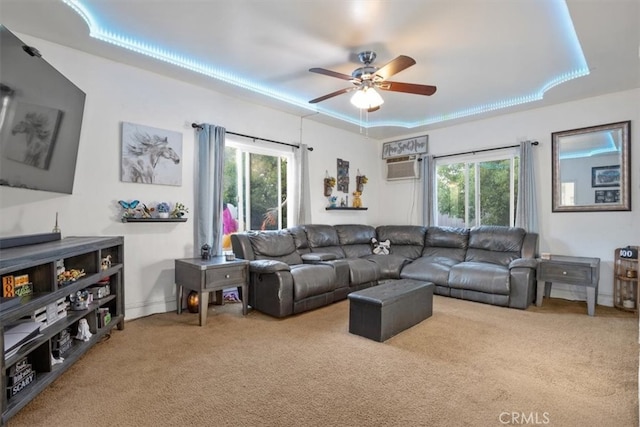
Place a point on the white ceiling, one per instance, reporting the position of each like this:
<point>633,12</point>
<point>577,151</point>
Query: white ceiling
<point>484,56</point>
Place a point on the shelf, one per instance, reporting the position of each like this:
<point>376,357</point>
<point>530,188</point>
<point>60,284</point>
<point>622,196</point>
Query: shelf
<point>154,219</point>
<point>44,379</point>
<point>345,209</point>
<point>39,262</point>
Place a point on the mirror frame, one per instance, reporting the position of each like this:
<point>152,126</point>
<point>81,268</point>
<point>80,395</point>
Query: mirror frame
<point>625,170</point>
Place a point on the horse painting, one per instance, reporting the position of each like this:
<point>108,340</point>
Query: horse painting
<point>143,159</point>
<point>33,136</point>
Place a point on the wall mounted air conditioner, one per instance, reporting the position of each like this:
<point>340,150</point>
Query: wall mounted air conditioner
<point>406,167</point>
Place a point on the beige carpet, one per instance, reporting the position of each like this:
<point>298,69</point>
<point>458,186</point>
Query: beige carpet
<point>468,365</point>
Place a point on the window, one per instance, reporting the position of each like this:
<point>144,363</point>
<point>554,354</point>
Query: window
<point>476,190</point>
<point>255,184</point>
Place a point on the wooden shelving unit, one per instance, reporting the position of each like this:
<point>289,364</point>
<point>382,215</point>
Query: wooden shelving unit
<point>39,262</point>
<point>625,282</point>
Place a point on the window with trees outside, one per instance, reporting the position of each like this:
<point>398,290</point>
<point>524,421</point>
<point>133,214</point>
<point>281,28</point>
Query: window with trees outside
<point>255,187</point>
<point>476,190</point>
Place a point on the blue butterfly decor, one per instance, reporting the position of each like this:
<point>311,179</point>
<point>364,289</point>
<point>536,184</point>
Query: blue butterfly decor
<point>129,208</point>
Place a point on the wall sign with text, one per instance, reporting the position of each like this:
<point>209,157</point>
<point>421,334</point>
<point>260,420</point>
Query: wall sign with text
<point>403,147</point>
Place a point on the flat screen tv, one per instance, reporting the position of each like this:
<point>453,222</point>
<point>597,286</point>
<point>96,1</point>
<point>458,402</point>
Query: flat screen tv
<point>40,120</point>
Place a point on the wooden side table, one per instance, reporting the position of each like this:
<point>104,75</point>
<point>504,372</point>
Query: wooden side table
<point>571,270</point>
<point>215,274</point>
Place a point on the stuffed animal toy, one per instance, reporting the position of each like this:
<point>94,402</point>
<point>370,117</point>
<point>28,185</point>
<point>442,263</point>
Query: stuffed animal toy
<point>381,248</point>
<point>357,201</point>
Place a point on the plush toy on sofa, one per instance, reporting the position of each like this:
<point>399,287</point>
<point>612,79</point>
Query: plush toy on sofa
<point>380,248</point>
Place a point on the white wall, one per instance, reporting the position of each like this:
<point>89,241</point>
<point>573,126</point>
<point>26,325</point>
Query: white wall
<point>117,93</point>
<point>592,234</point>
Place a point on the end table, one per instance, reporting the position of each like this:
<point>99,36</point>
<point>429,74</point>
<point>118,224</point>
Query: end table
<point>215,274</point>
<point>572,270</point>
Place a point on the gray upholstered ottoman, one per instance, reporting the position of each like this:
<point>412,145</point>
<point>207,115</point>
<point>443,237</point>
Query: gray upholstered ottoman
<point>381,312</point>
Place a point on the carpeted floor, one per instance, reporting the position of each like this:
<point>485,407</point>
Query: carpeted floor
<point>470,364</point>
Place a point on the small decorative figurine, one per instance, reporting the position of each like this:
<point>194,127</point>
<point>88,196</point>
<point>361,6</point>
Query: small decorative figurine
<point>145,211</point>
<point>357,201</point>
<point>106,262</point>
<point>205,252</point>
<point>83,330</point>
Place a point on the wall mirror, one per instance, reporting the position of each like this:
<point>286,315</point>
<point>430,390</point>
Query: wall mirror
<point>591,168</point>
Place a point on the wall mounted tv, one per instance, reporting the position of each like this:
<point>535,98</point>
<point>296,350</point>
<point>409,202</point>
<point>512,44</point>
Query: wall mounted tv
<point>40,119</point>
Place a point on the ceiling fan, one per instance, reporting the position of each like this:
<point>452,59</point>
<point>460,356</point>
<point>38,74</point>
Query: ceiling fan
<point>367,78</point>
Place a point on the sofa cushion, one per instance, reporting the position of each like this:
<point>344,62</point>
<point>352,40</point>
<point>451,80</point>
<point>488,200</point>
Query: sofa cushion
<point>323,238</point>
<point>355,239</point>
<point>274,244</point>
<point>480,277</point>
<point>446,242</point>
<point>429,269</point>
<point>310,280</point>
<point>300,239</point>
<point>406,240</point>
<point>495,244</point>
<point>389,266</point>
<point>362,271</point>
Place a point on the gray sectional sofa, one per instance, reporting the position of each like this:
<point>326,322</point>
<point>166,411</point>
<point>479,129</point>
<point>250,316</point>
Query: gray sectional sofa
<point>309,266</point>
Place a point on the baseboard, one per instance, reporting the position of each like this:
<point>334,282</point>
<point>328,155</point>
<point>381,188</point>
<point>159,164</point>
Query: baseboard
<point>147,308</point>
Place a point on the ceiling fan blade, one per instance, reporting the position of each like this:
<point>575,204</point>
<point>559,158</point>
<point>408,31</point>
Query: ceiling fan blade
<point>331,95</point>
<point>395,66</point>
<point>371,110</point>
<point>331,73</point>
<point>407,88</point>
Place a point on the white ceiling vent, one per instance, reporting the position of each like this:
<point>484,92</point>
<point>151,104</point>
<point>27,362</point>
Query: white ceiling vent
<point>406,167</point>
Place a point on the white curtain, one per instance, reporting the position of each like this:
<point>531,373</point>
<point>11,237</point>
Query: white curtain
<point>303,190</point>
<point>209,187</point>
<point>526,208</point>
<point>429,189</point>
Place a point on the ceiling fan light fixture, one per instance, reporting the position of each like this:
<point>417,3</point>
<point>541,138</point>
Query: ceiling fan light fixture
<point>366,99</point>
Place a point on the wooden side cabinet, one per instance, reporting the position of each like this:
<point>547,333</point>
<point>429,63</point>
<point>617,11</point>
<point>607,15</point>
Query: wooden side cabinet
<point>30,364</point>
<point>625,279</point>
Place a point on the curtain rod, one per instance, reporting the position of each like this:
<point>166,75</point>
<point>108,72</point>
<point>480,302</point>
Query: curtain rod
<point>197,126</point>
<point>480,151</point>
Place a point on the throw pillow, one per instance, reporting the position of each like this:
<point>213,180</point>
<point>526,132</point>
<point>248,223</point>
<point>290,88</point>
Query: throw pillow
<point>380,248</point>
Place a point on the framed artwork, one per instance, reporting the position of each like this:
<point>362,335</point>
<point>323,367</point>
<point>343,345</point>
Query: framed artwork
<point>607,196</point>
<point>151,155</point>
<point>33,134</point>
<point>605,176</point>
<point>343,176</point>
<point>405,147</point>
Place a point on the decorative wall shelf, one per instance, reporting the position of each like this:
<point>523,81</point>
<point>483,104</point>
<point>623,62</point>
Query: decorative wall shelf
<point>154,219</point>
<point>345,209</point>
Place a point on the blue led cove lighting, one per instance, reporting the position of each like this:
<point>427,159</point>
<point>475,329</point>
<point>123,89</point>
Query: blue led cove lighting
<point>131,43</point>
